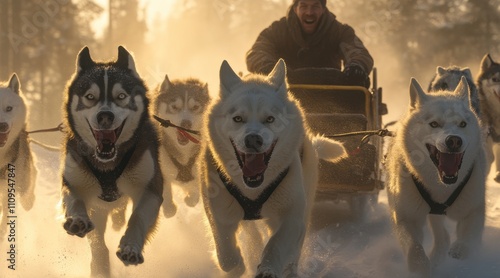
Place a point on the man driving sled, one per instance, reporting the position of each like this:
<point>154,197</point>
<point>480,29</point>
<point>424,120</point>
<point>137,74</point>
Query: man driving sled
<point>311,37</point>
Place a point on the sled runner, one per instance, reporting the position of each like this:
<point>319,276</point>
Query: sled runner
<point>333,110</point>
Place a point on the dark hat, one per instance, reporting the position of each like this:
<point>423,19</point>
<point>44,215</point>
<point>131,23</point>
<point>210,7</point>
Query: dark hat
<point>323,2</point>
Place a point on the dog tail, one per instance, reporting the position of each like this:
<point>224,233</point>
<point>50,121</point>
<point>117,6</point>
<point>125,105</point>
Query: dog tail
<point>328,149</point>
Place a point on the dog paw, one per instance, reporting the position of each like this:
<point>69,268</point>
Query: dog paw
<point>266,272</point>
<point>78,225</point>
<point>459,251</point>
<point>191,200</point>
<point>130,254</point>
<point>169,209</point>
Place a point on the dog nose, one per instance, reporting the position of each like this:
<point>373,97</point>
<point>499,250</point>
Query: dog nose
<point>453,142</point>
<point>105,119</point>
<point>254,141</point>
<point>4,127</point>
<point>186,124</point>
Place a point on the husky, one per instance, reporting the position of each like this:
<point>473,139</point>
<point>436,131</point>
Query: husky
<point>488,83</point>
<point>447,79</point>
<point>182,102</point>
<point>110,155</point>
<point>436,169</point>
<point>259,161</point>
<point>17,166</point>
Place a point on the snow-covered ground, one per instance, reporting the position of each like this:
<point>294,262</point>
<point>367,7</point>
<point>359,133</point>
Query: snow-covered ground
<point>337,246</point>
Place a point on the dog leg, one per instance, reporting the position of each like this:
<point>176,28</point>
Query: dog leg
<point>283,248</point>
<point>193,195</point>
<point>118,214</point>
<point>496,151</point>
<point>410,234</point>
<point>77,220</point>
<point>441,239</point>
<point>168,205</point>
<point>228,251</point>
<point>141,223</point>
<point>469,234</point>
<point>99,265</point>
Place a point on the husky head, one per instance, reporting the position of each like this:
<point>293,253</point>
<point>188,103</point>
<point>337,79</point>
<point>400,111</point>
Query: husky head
<point>254,127</point>
<point>488,80</point>
<point>441,134</point>
<point>13,110</point>
<point>105,103</point>
<point>182,102</point>
<point>447,79</point>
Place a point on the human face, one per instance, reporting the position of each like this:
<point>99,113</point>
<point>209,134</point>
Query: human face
<point>309,12</point>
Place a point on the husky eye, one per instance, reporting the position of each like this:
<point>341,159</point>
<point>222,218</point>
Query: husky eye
<point>495,79</point>
<point>462,124</point>
<point>443,86</point>
<point>8,108</point>
<point>434,124</point>
<point>90,97</point>
<point>122,96</point>
<point>195,107</point>
<point>237,119</point>
<point>270,119</point>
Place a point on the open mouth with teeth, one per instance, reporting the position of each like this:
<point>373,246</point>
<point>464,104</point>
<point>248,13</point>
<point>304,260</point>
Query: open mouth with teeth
<point>3,138</point>
<point>448,164</point>
<point>106,140</point>
<point>253,165</point>
<point>182,139</point>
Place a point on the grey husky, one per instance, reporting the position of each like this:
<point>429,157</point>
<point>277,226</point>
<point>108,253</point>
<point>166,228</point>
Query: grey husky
<point>182,102</point>
<point>110,156</point>
<point>488,82</point>
<point>17,170</point>
<point>448,79</point>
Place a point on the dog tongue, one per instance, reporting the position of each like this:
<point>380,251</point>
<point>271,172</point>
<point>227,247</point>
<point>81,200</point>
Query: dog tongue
<point>105,137</point>
<point>449,163</point>
<point>254,164</point>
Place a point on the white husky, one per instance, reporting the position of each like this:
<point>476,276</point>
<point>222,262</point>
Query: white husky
<point>259,161</point>
<point>436,167</point>
<point>488,82</point>
<point>17,171</point>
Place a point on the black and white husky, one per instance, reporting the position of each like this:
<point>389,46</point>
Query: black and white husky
<point>488,83</point>
<point>110,155</point>
<point>17,170</point>
<point>182,102</point>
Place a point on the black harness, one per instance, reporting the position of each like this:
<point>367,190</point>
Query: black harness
<point>251,207</point>
<point>184,171</point>
<point>440,208</point>
<point>107,180</point>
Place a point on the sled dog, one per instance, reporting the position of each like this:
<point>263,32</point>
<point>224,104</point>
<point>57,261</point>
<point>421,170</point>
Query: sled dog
<point>488,83</point>
<point>110,156</point>
<point>447,79</point>
<point>259,161</point>
<point>436,169</point>
<point>182,102</point>
<point>17,167</point>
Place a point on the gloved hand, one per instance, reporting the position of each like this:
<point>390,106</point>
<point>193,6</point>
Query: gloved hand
<point>356,75</point>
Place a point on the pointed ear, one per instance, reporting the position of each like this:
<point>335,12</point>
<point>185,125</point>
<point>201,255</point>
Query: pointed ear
<point>463,91</point>
<point>166,84</point>
<point>417,94</point>
<point>486,62</point>
<point>126,60</point>
<point>14,83</point>
<point>228,79</point>
<point>467,73</point>
<point>205,88</point>
<point>277,77</point>
<point>83,60</point>
<point>440,70</point>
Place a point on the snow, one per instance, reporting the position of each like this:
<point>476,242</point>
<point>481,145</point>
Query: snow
<point>336,246</point>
